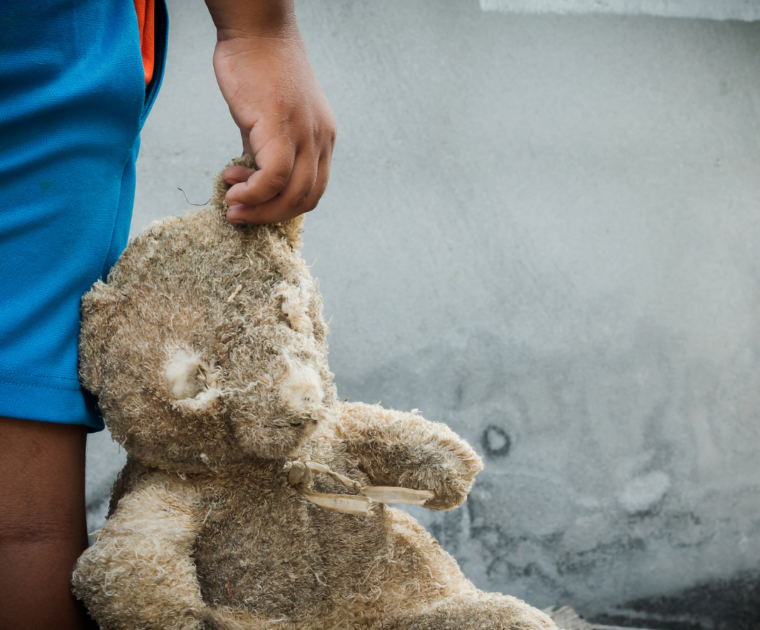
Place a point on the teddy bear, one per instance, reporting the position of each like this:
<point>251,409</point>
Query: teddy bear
<point>252,497</point>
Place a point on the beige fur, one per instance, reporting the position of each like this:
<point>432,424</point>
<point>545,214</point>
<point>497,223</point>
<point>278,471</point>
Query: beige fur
<point>207,350</point>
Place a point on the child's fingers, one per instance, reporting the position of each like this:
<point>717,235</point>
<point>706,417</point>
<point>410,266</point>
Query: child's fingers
<point>297,198</point>
<point>246,138</point>
<point>275,161</point>
<point>323,175</point>
<point>237,174</point>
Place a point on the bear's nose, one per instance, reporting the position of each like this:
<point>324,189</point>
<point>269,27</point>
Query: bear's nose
<point>301,388</point>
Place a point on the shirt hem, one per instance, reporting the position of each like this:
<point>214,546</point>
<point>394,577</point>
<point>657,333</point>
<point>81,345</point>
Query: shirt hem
<point>47,402</point>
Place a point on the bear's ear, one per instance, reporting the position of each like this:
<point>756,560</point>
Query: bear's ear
<point>97,309</point>
<point>192,383</point>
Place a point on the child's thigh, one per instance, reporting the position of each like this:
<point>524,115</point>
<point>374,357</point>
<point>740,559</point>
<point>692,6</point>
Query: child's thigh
<point>71,100</point>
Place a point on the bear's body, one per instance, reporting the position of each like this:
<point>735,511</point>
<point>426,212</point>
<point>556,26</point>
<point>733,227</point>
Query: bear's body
<point>252,562</point>
<point>207,349</point>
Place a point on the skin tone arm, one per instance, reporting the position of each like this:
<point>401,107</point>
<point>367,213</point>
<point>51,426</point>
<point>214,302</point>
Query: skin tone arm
<point>284,118</point>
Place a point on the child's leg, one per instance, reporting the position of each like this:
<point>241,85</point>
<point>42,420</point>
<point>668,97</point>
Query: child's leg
<point>42,523</point>
<point>72,99</point>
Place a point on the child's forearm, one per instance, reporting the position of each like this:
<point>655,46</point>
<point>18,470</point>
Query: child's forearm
<point>284,118</point>
<point>252,18</point>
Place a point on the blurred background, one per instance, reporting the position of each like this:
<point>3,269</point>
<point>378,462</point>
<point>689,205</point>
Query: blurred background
<point>544,230</point>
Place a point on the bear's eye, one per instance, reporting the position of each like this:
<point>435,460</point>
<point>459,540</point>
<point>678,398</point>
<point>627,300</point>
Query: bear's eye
<point>184,374</point>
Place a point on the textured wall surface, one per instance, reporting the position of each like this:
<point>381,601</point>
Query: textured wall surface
<point>544,231</point>
<point>746,10</point>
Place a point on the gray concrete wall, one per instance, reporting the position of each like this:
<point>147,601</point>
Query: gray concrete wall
<point>544,231</point>
<point>747,10</point>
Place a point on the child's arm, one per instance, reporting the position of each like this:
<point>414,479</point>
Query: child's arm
<point>402,449</point>
<point>274,98</point>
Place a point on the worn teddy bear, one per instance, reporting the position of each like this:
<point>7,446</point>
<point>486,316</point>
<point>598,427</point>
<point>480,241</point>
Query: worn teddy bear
<point>252,498</point>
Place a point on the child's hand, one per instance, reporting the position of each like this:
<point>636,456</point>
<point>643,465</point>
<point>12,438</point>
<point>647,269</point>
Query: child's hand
<point>283,115</point>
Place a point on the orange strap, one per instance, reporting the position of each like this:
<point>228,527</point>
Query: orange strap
<point>146,22</point>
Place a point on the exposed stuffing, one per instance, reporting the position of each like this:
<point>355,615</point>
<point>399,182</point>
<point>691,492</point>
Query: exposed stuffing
<point>182,374</point>
<point>199,402</point>
<point>252,498</point>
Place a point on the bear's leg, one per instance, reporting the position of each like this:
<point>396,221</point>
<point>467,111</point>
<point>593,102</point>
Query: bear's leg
<point>140,572</point>
<point>483,611</point>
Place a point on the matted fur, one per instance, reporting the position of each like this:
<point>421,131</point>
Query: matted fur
<point>207,350</point>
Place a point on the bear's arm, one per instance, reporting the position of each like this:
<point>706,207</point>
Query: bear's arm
<point>140,573</point>
<point>404,449</point>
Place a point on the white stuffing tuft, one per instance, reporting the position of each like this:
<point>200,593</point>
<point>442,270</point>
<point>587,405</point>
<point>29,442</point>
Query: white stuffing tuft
<point>203,401</point>
<point>301,388</point>
<point>181,372</point>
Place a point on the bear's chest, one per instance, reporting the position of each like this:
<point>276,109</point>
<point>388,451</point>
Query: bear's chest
<point>265,547</point>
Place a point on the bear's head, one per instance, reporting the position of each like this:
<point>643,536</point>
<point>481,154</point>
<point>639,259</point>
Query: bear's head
<point>207,347</point>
